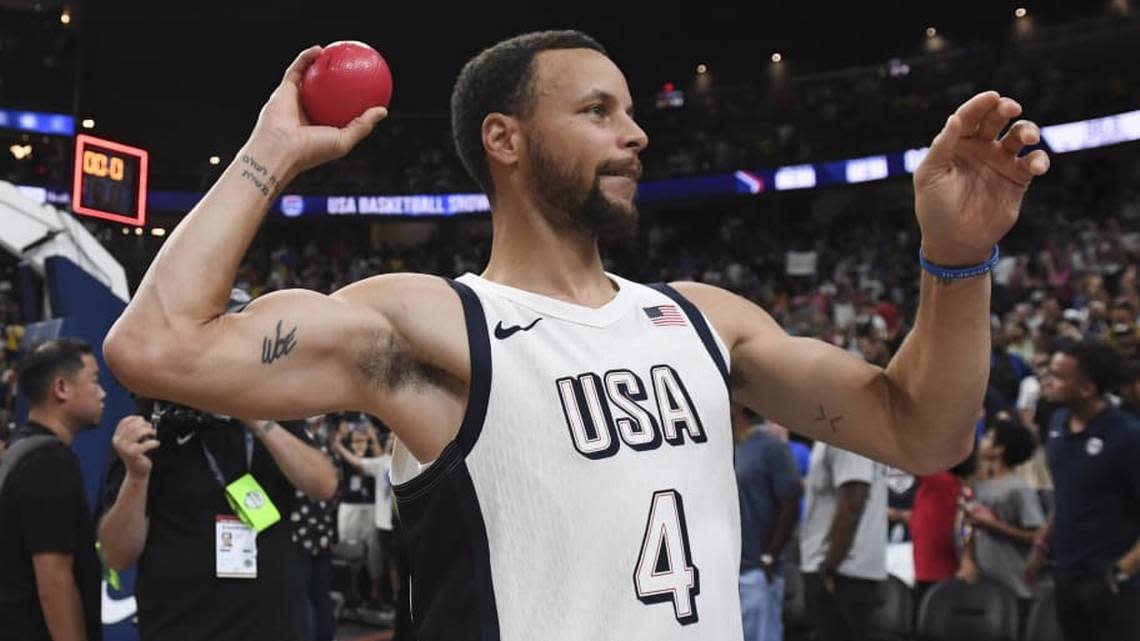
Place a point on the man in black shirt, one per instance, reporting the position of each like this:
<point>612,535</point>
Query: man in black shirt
<point>49,569</point>
<point>169,511</point>
<point>1094,534</point>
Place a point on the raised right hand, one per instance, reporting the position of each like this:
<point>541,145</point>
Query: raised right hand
<point>134,437</point>
<point>283,122</point>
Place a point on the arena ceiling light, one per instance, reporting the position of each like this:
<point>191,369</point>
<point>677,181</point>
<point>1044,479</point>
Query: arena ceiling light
<point>1020,12</point>
<point>702,68</point>
<point>776,57</point>
<point>20,152</point>
<point>214,160</point>
<point>931,32</point>
<point>88,123</point>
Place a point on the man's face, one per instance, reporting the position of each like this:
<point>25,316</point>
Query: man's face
<point>582,144</point>
<point>359,443</point>
<point>1064,383</point>
<point>84,395</point>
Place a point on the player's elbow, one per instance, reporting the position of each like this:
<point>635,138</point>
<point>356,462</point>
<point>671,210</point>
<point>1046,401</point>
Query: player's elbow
<point>939,456</point>
<point>139,358</point>
<point>327,490</point>
<point>325,487</point>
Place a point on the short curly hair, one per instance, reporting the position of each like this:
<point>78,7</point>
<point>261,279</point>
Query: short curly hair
<point>1015,440</point>
<point>500,80</point>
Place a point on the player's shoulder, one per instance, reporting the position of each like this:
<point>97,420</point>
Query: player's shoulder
<point>692,288</point>
<point>402,293</point>
<point>396,283</point>
<point>734,316</point>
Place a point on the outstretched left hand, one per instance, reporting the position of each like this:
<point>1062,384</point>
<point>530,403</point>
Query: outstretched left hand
<point>968,189</point>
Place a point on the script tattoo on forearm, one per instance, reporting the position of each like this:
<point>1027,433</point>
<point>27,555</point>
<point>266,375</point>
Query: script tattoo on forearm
<point>273,349</point>
<point>259,175</point>
<point>832,420</point>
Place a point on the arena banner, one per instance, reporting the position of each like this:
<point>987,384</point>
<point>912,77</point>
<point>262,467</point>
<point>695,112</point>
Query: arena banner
<point>1057,139</point>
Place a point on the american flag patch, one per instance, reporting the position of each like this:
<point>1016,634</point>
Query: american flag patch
<point>665,315</point>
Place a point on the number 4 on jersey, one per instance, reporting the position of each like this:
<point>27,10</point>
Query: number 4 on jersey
<point>665,570</point>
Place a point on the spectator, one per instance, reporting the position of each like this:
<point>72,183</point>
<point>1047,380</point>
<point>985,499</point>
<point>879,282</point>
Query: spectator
<point>376,467</point>
<point>1094,534</point>
<point>169,510</point>
<point>51,576</point>
<point>844,541</point>
<point>1006,517</point>
<point>769,489</point>
<point>1035,471</point>
<point>1007,369</point>
<point>356,515</point>
<point>933,522</point>
<point>314,534</point>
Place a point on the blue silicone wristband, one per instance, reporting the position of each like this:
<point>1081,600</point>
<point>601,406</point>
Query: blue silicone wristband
<point>958,273</point>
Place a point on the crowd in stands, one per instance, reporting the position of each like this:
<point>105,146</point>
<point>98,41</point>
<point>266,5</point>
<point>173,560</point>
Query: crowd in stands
<point>781,117</point>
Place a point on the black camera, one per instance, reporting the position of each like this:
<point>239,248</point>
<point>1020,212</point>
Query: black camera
<point>178,420</point>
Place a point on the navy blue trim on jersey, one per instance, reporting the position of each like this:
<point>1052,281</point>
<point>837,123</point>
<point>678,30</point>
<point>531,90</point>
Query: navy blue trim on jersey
<point>479,391</point>
<point>453,596</point>
<point>699,324</point>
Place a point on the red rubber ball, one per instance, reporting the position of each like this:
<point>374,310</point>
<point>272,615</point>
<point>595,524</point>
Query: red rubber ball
<point>348,78</point>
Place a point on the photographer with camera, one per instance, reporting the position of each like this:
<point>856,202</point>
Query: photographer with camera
<point>205,515</point>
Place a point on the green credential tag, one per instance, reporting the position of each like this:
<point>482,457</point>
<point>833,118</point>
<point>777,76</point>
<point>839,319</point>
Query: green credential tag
<point>251,503</point>
<point>109,572</point>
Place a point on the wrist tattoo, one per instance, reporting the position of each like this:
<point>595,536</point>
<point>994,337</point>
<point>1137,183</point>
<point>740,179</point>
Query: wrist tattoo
<point>277,348</point>
<point>259,175</point>
<point>832,420</point>
<point>269,425</point>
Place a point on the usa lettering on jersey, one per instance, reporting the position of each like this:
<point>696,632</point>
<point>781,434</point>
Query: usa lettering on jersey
<point>604,411</point>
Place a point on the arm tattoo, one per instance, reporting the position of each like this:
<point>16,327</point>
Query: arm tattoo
<point>833,421</point>
<point>279,347</point>
<point>269,425</point>
<point>259,175</point>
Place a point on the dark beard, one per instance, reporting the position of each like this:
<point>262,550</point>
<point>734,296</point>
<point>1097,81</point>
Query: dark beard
<point>568,208</point>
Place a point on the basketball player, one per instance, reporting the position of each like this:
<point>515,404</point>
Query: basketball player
<point>565,461</point>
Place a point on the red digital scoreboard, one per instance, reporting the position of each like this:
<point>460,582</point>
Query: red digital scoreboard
<point>110,181</point>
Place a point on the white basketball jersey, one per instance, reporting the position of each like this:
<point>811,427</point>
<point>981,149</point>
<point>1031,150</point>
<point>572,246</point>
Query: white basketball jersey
<point>590,493</point>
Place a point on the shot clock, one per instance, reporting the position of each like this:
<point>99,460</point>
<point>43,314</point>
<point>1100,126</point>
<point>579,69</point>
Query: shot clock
<point>110,180</point>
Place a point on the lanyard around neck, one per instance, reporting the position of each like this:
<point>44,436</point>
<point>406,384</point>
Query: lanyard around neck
<point>213,463</point>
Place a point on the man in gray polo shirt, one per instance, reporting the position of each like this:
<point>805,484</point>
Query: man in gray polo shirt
<point>844,543</point>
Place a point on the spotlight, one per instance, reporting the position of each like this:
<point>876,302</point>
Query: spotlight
<point>214,160</point>
<point>931,32</point>
<point>702,69</point>
<point>776,57</point>
<point>88,123</point>
<point>1020,12</point>
<point>65,16</point>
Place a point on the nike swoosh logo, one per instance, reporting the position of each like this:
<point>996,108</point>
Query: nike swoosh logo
<point>506,332</point>
<point>116,610</point>
<point>185,438</point>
